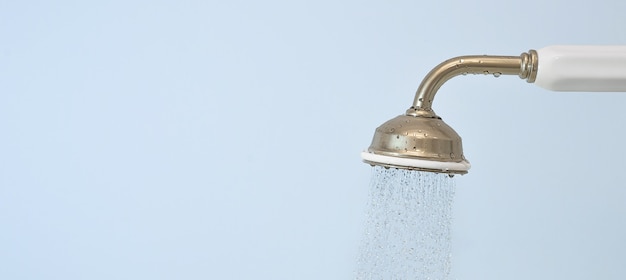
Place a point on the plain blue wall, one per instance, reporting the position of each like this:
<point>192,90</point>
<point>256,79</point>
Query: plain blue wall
<point>221,140</point>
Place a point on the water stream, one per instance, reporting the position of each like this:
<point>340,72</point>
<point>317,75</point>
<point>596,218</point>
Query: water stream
<point>407,228</point>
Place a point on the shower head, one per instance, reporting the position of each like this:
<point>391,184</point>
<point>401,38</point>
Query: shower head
<point>421,140</point>
<point>417,143</point>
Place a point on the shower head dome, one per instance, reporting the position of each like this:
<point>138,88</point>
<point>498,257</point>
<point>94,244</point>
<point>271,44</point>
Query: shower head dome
<point>423,143</point>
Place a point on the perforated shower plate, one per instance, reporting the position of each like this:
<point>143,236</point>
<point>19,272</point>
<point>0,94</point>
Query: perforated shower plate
<point>416,164</point>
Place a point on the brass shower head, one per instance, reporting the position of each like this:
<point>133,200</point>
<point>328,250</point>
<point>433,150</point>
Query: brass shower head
<point>419,139</point>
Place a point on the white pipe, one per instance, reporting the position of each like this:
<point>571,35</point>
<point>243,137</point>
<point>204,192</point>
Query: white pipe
<point>582,68</point>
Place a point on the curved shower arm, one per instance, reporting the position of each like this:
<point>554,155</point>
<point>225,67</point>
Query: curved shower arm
<point>525,66</point>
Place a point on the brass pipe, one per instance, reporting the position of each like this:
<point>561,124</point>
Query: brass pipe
<point>525,66</point>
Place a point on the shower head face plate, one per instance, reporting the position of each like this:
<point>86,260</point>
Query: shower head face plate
<point>417,143</point>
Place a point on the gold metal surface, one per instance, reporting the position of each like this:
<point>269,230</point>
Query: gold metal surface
<point>418,137</point>
<point>525,66</point>
<point>420,133</point>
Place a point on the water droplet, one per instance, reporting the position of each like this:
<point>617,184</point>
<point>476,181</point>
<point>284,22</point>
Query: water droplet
<point>486,72</point>
<point>464,73</point>
<point>397,136</point>
<point>419,131</point>
<point>420,99</point>
<point>392,130</point>
<point>451,155</point>
<point>497,74</point>
<point>408,225</point>
<point>414,148</point>
<point>406,134</point>
<point>425,134</point>
<point>451,175</point>
<point>461,60</point>
<point>438,124</point>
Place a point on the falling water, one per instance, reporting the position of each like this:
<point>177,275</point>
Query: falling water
<point>407,231</point>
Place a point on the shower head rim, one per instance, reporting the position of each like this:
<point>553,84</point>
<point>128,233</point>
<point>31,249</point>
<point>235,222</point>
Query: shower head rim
<point>460,167</point>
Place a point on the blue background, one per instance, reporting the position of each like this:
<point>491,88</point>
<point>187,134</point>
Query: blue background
<point>221,139</point>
